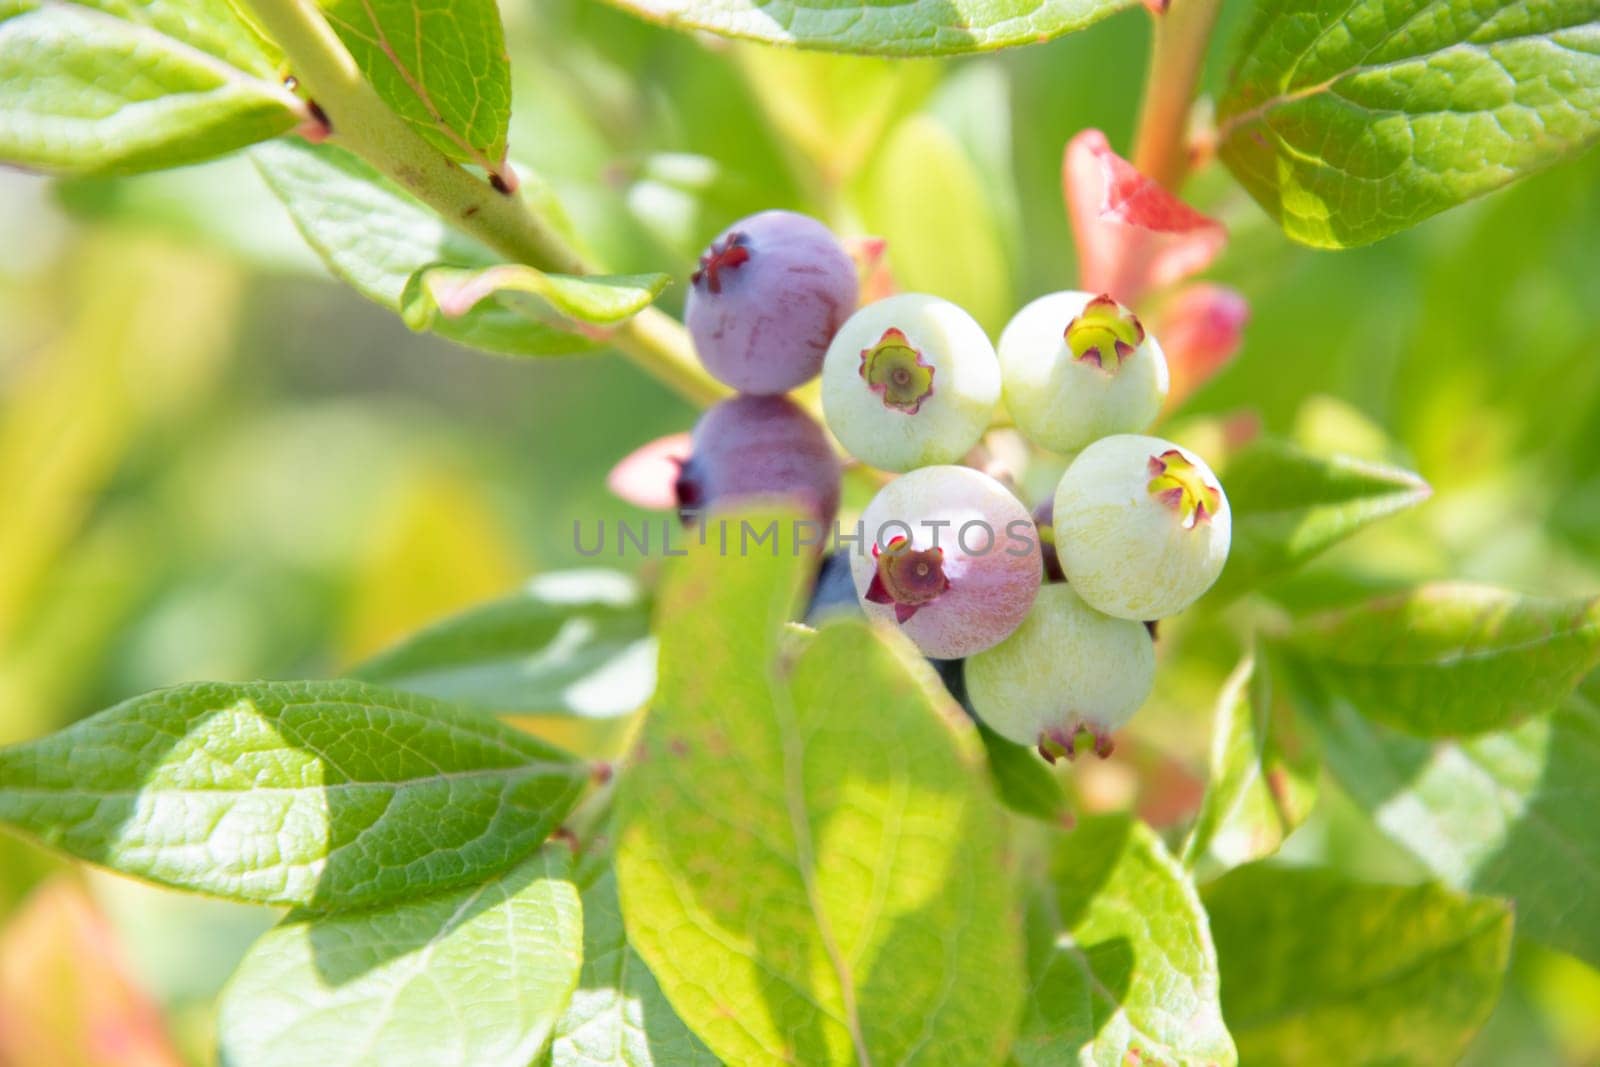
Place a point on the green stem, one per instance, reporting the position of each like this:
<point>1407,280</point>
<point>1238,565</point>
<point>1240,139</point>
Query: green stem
<point>367,126</point>
<point>1177,54</point>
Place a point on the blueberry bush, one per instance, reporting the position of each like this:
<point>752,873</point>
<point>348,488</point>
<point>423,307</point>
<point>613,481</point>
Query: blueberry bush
<point>851,769</point>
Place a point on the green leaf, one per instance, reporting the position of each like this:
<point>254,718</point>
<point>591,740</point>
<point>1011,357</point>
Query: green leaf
<point>1289,505</point>
<point>476,976</point>
<point>326,794</point>
<point>618,1017</point>
<point>1319,970</point>
<point>441,67</point>
<point>574,641</point>
<point>103,90</point>
<point>809,859</point>
<point>1263,780</point>
<point>1509,814</point>
<point>455,291</point>
<point>377,238</point>
<point>1121,959</point>
<point>1350,122</point>
<point>1022,780</point>
<point>1453,658</point>
<point>917,28</point>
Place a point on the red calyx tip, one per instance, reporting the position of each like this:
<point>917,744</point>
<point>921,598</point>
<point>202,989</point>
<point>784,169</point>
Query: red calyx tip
<point>727,254</point>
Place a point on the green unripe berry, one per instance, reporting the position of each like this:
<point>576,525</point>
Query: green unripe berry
<point>1142,526</point>
<point>1067,668</point>
<point>1078,367</point>
<point>910,381</point>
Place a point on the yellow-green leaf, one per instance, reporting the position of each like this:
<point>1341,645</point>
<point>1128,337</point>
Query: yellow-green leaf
<point>809,856</point>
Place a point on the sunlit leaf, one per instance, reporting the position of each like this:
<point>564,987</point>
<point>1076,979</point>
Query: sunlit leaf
<point>442,67</point>
<point>809,857</point>
<point>328,794</point>
<point>1349,122</point>
<point>104,90</point>
<point>1509,814</point>
<point>476,976</point>
<point>618,1016</point>
<point>1122,965</point>
<point>1452,658</point>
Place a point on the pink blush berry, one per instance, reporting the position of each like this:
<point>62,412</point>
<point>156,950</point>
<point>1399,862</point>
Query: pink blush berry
<point>950,558</point>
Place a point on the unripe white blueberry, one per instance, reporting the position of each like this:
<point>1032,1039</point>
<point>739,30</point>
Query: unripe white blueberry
<point>950,557</point>
<point>1078,367</point>
<point>910,381</point>
<point>1067,668</point>
<point>1141,526</point>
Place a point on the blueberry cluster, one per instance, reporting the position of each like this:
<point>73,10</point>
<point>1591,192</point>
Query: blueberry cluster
<point>1048,609</point>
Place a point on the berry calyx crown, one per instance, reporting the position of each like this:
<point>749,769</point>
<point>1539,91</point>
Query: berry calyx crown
<point>1176,481</point>
<point>907,577</point>
<point>895,370</point>
<point>727,254</point>
<point>1105,333</point>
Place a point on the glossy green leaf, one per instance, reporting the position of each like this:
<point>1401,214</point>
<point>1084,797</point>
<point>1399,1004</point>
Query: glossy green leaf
<point>1508,814</point>
<point>1289,505</point>
<point>477,975</point>
<point>452,292</point>
<point>918,28</point>
<point>326,794</point>
<point>572,641</point>
<point>618,1017</point>
<point>809,857</point>
<point>212,26</point>
<point>1349,122</point>
<point>104,89</point>
<point>441,66</point>
<point>378,238</point>
<point>1122,965</point>
<point>1453,658</point>
<point>1263,780</point>
<point>1318,970</point>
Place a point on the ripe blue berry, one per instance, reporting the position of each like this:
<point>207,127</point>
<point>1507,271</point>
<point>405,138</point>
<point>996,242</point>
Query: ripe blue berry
<point>760,447</point>
<point>768,296</point>
<point>910,381</point>
<point>1141,526</point>
<point>1066,668</point>
<point>1078,367</point>
<point>950,557</point>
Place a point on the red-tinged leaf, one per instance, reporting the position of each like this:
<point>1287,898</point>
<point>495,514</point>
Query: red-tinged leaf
<point>872,267</point>
<point>1200,331</point>
<point>66,993</point>
<point>647,476</point>
<point>1132,235</point>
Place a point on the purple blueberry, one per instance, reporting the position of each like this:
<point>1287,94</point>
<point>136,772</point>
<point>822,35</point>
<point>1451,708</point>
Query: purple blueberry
<point>769,295</point>
<point>759,448</point>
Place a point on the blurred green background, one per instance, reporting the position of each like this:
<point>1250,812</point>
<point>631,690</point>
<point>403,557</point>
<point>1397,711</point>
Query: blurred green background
<point>215,463</point>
